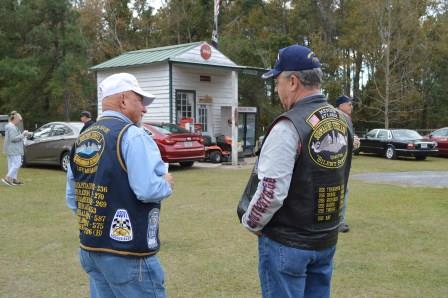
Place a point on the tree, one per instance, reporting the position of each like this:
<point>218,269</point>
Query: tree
<point>46,75</point>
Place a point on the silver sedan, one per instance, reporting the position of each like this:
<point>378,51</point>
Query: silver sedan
<point>51,143</point>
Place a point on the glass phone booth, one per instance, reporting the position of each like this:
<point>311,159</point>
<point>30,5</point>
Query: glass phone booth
<point>247,117</point>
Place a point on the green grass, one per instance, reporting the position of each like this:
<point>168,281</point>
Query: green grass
<point>397,246</point>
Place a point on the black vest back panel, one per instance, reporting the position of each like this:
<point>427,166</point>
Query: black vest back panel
<point>309,217</point>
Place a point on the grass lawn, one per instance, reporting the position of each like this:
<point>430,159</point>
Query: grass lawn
<point>397,246</point>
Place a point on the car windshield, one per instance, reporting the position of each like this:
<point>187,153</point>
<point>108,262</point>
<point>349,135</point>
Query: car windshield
<point>168,128</point>
<point>406,134</point>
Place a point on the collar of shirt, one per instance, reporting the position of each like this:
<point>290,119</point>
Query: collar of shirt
<point>115,114</point>
<point>312,95</point>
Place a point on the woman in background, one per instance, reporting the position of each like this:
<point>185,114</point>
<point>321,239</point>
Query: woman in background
<point>13,148</point>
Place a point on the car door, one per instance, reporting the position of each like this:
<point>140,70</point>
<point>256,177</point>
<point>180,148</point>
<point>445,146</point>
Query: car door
<point>35,148</point>
<point>61,140</point>
<point>382,138</point>
<point>367,143</point>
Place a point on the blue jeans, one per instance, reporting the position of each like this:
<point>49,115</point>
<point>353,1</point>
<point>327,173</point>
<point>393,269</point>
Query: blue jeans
<point>120,276</point>
<point>291,272</point>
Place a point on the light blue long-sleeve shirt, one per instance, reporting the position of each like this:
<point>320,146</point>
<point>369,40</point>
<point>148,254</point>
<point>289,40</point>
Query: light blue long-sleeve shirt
<point>145,167</point>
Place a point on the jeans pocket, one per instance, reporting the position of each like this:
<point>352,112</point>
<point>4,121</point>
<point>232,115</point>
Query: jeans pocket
<point>119,270</point>
<point>85,261</point>
<point>293,261</point>
<point>155,271</point>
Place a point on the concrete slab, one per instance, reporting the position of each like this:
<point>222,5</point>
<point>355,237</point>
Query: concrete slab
<point>435,179</point>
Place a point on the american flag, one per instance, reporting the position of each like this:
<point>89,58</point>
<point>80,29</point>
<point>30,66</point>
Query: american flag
<point>217,7</point>
<point>314,120</point>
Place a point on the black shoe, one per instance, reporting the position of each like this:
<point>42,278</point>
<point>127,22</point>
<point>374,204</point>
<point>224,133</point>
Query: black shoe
<point>344,228</point>
<point>17,182</point>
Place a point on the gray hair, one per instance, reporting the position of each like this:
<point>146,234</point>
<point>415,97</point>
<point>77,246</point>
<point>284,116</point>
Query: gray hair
<point>310,78</point>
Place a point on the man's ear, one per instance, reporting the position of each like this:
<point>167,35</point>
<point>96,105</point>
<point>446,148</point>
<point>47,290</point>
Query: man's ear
<point>122,100</point>
<point>294,82</point>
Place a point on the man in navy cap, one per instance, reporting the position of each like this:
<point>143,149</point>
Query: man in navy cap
<point>302,169</point>
<point>86,118</point>
<point>344,103</point>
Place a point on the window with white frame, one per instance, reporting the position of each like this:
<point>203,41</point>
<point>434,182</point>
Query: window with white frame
<point>184,104</point>
<point>203,117</point>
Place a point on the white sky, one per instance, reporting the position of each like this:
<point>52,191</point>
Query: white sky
<point>156,3</point>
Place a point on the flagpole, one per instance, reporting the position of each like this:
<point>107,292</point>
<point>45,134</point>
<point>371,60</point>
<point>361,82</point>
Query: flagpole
<point>215,23</point>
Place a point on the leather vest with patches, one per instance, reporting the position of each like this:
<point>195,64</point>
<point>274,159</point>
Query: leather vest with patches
<point>111,219</point>
<point>309,217</point>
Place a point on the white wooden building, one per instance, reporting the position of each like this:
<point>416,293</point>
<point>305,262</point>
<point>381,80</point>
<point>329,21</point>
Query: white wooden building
<point>191,80</point>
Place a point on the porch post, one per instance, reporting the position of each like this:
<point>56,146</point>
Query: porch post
<point>234,118</point>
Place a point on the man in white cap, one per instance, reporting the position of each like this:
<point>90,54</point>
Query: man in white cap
<point>115,184</point>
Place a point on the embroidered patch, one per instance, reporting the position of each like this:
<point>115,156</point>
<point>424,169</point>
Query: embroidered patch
<point>121,228</point>
<point>329,138</point>
<point>89,148</point>
<point>153,227</point>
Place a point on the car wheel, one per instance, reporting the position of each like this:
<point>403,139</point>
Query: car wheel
<point>420,157</point>
<point>390,152</point>
<point>186,164</point>
<point>65,161</point>
<point>215,157</point>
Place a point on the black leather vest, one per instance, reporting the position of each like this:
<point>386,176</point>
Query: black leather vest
<point>111,218</point>
<point>309,217</point>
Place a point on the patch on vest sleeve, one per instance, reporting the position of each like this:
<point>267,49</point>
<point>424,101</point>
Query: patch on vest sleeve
<point>121,228</point>
<point>153,227</point>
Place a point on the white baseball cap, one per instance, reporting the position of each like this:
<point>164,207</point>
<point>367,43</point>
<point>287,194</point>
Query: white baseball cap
<point>121,82</point>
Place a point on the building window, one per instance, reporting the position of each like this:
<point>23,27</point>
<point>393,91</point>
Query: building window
<point>203,117</point>
<point>184,105</point>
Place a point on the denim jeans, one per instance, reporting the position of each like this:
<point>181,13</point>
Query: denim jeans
<point>291,272</point>
<point>120,276</point>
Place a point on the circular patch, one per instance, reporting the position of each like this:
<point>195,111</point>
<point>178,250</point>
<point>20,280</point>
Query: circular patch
<point>328,143</point>
<point>89,148</point>
<point>206,51</point>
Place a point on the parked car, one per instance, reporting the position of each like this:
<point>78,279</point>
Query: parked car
<point>51,143</point>
<point>440,136</point>
<point>176,144</point>
<point>3,121</point>
<point>397,142</point>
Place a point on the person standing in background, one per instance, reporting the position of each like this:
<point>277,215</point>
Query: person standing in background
<point>86,118</point>
<point>13,148</point>
<point>345,105</point>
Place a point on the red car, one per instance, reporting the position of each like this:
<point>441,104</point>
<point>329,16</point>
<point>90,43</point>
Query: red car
<point>441,137</point>
<point>176,144</point>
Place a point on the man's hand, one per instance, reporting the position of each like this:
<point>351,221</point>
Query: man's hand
<point>356,142</point>
<point>169,178</point>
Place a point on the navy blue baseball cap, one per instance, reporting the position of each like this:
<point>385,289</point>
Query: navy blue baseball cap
<point>293,58</point>
<point>343,99</point>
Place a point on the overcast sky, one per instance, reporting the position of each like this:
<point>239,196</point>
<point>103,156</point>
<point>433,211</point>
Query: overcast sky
<point>156,3</point>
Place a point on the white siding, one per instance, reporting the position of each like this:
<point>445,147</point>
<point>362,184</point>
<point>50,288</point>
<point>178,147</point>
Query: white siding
<point>152,78</point>
<point>219,89</point>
